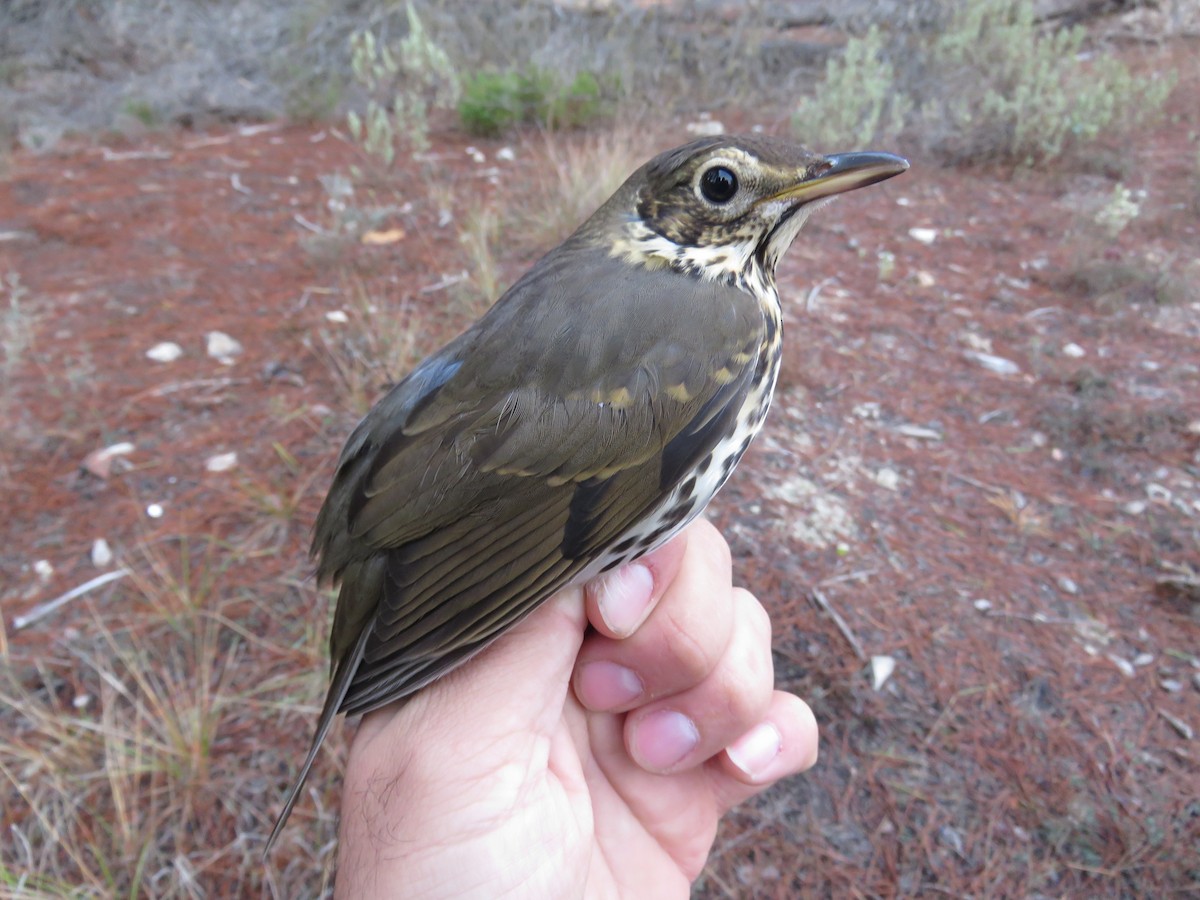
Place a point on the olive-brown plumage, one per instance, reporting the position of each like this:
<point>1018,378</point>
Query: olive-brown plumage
<point>583,420</point>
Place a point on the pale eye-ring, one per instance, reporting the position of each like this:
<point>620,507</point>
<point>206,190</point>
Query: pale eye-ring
<point>718,184</point>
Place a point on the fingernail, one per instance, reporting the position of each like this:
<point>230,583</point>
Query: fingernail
<point>664,738</point>
<point>604,686</point>
<point>755,750</point>
<point>624,596</point>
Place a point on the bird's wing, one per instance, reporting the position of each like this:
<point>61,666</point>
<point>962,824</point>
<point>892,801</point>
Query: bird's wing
<point>506,463</point>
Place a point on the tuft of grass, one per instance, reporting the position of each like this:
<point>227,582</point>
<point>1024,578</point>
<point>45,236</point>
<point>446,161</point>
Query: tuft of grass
<point>143,111</point>
<point>574,176</point>
<point>129,762</point>
<point>374,348</point>
<point>478,240</point>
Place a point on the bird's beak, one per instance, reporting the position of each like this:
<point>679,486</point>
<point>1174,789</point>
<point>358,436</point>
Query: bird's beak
<point>842,172</point>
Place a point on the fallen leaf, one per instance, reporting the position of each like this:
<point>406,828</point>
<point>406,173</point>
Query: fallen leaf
<point>376,238</point>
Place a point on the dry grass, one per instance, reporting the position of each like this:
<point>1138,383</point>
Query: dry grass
<point>132,747</point>
<point>370,345</point>
<point>574,175</point>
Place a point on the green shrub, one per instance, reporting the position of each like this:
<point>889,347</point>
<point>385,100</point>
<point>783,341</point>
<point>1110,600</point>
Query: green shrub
<point>492,102</point>
<point>857,103</point>
<point>986,82</point>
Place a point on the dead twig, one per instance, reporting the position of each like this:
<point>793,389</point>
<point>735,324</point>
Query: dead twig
<point>44,609</point>
<point>822,601</point>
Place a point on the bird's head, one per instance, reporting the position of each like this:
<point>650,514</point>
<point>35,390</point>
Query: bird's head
<point>728,207</point>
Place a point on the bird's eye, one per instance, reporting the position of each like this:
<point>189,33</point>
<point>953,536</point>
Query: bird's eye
<point>718,184</point>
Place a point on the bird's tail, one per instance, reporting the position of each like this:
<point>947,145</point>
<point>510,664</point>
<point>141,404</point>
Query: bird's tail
<point>338,688</point>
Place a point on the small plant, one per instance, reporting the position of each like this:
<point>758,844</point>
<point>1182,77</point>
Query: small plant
<point>402,86</point>
<point>858,102</point>
<point>492,102</point>
<point>142,111</point>
<point>1122,207</point>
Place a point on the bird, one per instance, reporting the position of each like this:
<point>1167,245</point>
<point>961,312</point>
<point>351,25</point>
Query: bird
<point>583,420</point>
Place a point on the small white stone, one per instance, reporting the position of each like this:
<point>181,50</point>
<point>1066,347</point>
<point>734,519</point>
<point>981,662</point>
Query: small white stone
<point>81,701</point>
<point>1143,659</point>
<point>1074,351</point>
<point>222,347</point>
<point>222,462</point>
<point>918,431</point>
<point>100,462</point>
<point>101,554</point>
<point>165,352</point>
<point>924,235</point>
<point>1171,685</point>
<point>888,478</point>
<point>1057,455</point>
<point>882,668</point>
<point>476,154</point>
<point>981,604</point>
<point>154,511</point>
<point>706,128</point>
<point>337,315</point>
<point>925,279</point>
<point>1156,493</point>
<point>506,154</point>
<point>43,569</point>
<point>1067,585</point>
<point>1135,507</point>
<point>992,363</point>
<point>1124,665</point>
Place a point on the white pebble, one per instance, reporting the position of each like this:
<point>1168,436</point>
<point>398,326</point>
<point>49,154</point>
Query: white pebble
<point>154,511</point>
<point>1124,665</point>
<point>43,569</point>
<point>165,352</point>
<point>102,554</point>
<point>924,235</point>
<point>888,478</point>
<point>706,128</point>
<point>1067,585</point>
<point>992,363</point>
<point>882,668</point>
<point>981,604</point>
<point>1074,351</point>
<point>222,347</point>
<point>337,315</point>
<point>506,154</point>
<point>222,462</point>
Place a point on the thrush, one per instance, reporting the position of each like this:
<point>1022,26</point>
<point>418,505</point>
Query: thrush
<point>587,417</point>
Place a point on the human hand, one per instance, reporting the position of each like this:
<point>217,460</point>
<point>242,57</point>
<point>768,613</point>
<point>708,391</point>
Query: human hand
<point>563,762</point>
